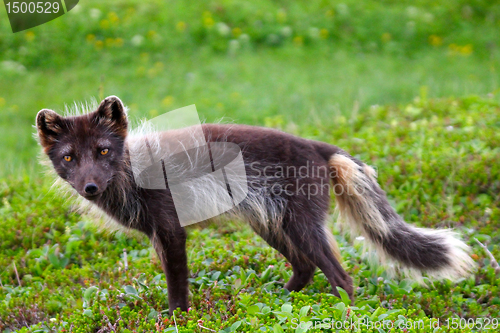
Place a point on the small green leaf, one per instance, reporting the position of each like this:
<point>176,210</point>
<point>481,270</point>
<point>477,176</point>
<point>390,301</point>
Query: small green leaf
<point>341,306</point>
<point>253,309</point>
<point>153,314</point>
<point>304,310</point>
<point>277,329</point>
<point>235,326</point>
<point>344,296</point>
<point>376,313</point>
<point>54,260</point>
<point>87,295</point>
<point>237,284</point>
<point>130,290</point>
<point>88,313</point>
<point>215,276</point>
<point>287,307</point>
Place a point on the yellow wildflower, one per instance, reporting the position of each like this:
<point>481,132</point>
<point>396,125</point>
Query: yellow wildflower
<point>208,22</point>
<point>99,44</point>
<point>461,50</point>
<point>181,26</point>
<point>323,33</point>
<point>466,49</point>
<point>167,101</point>
<point>159,65</point>
<point>435,40</point>
<point>236,32</point>
<point>30,36</point>
<point>151,34</point>
<point>104,24</point>
<point>281,16</point>
<point>113,18</point>
<point>110,42</point>
<point>298,40</point>
<point>119,42</point>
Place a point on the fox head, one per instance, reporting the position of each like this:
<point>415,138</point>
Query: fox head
<point>86,151</point>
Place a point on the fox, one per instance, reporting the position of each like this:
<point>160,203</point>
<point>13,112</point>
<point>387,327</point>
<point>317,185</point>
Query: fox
<point>91,153</point>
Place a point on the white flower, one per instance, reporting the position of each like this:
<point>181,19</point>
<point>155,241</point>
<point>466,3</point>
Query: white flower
<point>412,12</point>
<point>234,45</point>
<point>137,40</point>
<point>95,13</point>
<point>244,38</point>
<point>410,27</point>
<point>342,9</point>
<point>313,32</point>
<point>286,31</point>
<point>428,17</point>
<point>12,66</point>
<point>223,29</point>
<point>273,39</point>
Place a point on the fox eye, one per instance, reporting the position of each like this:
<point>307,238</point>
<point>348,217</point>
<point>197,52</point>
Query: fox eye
<point>104,151</point>
<point>68,158</point>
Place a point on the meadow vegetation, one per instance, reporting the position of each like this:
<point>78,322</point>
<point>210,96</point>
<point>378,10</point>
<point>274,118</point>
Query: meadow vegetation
<point>410,87</point>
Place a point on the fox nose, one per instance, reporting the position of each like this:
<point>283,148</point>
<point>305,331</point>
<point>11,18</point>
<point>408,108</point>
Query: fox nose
<point>91,188</point>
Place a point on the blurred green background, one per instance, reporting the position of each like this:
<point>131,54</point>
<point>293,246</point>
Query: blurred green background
<point>260,62</point>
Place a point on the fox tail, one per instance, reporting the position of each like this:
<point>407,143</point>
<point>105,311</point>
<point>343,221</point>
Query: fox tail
<point>363,205</point>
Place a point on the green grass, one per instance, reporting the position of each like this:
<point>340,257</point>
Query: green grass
<point>299,85</point>
<point>366,53</point>
<point>436,159</point>
<point>409,87</point>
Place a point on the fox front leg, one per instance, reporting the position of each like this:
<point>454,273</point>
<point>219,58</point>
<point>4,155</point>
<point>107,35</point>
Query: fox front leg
<point>171,249</point>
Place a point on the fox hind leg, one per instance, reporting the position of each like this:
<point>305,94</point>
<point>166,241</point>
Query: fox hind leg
<point>303,272</point>
<point>303,268</point>
<point>310,239</point>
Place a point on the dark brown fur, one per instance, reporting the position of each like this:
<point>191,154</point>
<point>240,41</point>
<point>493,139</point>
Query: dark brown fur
<point>297,232</point>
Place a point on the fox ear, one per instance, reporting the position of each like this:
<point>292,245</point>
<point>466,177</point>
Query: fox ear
<point>49,126</point>
<point>111,112</point>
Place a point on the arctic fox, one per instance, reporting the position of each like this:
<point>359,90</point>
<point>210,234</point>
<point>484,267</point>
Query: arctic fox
<point>91,152</point>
